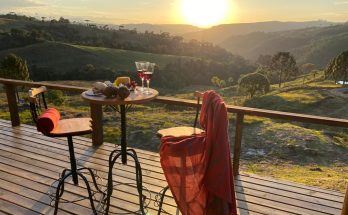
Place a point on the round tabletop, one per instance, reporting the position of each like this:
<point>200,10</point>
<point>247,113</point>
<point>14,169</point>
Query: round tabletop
<point>135,97</point>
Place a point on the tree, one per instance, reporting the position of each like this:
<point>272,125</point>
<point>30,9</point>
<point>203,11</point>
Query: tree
<point>338,68</point>
<point>252,83</point>
<point>63,20</point>
<point>56,97</point>
<point>230,81</point>
<point>215,80</point>
<point>14,67</point>
<point>284,65</point>
<point>222,83</point>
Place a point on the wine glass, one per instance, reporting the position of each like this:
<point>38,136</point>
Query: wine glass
<point>147,76</point>
<point>142,66</point>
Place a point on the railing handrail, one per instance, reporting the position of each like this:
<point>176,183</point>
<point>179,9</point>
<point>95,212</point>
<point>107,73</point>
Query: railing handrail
<point>14,82</point>
<point>192,103</point>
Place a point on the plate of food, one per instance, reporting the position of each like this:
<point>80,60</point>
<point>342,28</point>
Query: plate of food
<point>92,92</point>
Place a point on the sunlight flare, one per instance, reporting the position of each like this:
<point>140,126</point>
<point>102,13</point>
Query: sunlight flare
<point>204,13</point>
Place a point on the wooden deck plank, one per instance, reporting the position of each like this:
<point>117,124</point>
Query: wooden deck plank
<point>11,208</point>
<point>84,150</point>
<point>340,194</point>
<point>61,162</point>
<point>292,184</point>
<point>330,203</point>
<point>301,199</point>
<point>33,162</point>
<point>28,203</point>
<point>306,192</point>
<point>12,156</point>
<point>311,188</point>
<point>24,175</point>
<point>123,201</point>
<point>299,205</point>
<point>41,198</point>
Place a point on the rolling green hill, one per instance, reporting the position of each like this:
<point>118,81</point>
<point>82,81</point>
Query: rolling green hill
<point>63,56</point>
<point>315,45</point>
<point>219,33</point>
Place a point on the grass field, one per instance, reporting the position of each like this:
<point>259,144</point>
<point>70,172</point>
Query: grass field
<point>64,57</point>
<point>124,59</point>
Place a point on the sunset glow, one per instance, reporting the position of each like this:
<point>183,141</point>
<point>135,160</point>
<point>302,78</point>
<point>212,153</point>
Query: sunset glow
<point>204,13</point>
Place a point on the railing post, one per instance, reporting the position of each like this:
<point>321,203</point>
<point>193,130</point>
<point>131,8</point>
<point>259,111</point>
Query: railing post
<point>237,143</point>
<point>97,124</point>
<point>345,204</point>
<point>12,104</point>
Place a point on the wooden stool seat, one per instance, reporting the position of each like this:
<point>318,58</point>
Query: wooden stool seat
<point>72,127</point>
<point>179,131</point>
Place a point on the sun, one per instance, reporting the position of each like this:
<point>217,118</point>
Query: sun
<point>204,13</point>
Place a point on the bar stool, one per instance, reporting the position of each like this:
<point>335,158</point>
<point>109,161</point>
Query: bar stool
<point>184,130</point>
<point>179,132</point>
<point>65,128</point>
<point>198,167</point>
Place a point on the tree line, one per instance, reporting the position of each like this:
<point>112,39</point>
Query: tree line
<point>129,39</point>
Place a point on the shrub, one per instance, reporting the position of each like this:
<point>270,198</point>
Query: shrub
<point>253,83</point>
<point>56,97</point>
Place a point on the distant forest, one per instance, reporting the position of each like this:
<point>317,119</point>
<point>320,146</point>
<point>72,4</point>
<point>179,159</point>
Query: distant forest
<point>202,60</point>
<point>103,36</point>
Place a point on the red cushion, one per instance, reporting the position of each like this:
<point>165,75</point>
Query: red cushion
<point>48,120</point>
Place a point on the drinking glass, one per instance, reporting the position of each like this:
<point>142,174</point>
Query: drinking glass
<point>142,66</point>
<point>147,76</point>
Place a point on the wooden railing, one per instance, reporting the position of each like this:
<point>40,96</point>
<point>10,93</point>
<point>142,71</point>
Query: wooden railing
<point>97,114</point>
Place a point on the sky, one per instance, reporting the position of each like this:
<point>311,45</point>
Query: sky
<point>171,11</point>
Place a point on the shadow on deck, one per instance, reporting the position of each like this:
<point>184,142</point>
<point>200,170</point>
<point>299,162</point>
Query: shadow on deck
<point>31,162</point>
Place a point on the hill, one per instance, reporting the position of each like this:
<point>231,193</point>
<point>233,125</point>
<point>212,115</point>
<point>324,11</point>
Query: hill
<point>220,33</point>
<point>64,57</point>
<point>62,61</point>
<point>315,45</point>
<point>30,29</point>
<point>52,54</point>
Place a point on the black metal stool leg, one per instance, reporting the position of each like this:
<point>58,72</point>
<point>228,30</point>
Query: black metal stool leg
<point>110,182</point>
<point>60,190</point>
<point>112,159</point>
<point>93,178</point>
<point>72,160</point>
<point>139,178</point>
<point>60,187</point>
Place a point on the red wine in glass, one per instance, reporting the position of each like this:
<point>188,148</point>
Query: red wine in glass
<point>147,75</point>
<point>141,74</point>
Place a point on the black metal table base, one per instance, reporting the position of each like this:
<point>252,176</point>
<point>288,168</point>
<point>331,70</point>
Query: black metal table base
<point>80,172</point>
<point>116,154</point>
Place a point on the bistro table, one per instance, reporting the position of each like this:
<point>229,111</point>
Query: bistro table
<point>135,97</point>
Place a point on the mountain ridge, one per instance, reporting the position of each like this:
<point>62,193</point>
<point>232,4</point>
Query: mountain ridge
<point>219,33</point>
<point>316,45</point>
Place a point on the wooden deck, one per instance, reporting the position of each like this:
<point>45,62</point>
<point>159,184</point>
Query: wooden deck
<point>30,162</point>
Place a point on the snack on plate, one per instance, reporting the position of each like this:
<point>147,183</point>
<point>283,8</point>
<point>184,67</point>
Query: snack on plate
<point>99,87</point>
<point>123,92</point>
<point>110,91</point>
<point>121,80</point>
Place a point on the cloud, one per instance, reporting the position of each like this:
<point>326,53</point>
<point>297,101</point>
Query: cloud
<point>340,2</point>
<point>20,3</point>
